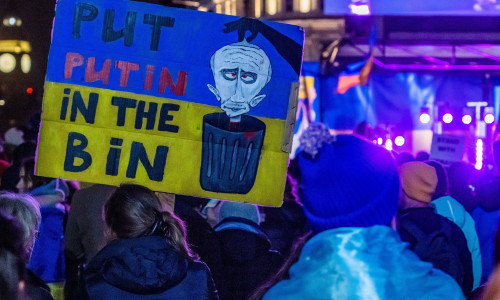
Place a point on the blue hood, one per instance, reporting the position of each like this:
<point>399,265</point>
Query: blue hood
<point>144,265</point>
<point>362,263</point>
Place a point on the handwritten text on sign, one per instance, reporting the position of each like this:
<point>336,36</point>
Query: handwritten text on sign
<point>163,97</point>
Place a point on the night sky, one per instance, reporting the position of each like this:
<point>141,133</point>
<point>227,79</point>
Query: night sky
<point>37,16</point>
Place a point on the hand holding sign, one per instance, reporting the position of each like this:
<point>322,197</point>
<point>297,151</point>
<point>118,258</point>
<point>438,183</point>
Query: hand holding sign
<point>243,25</point>
<point>290,50</point>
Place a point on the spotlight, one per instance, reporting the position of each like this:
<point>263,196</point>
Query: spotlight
<point>380,141</point>
<point>388,144</point>
<point>489,118</point>
<point>479,154</point>
<point>2,102</point>
<point>399,141</point>
<point>360,7</point>
<point>362,10</point>
<point>425,118</point>
<point>467,119</point>
<point>447,118</point>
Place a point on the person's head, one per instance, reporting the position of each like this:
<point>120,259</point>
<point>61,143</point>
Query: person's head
<point>39,185</point>
<point>23,152</point>
<point>461,178</point>
<point>422,156</point>
<point>26,211</point>
<point>27,178</point>
<point>404,157</point>
<point>418,182</point>
<point>241,210</point>
<point>11,246</point>
<point>346,182</point>
<point>134,211</point>
<point>442,183</point>
<point>240,72</point>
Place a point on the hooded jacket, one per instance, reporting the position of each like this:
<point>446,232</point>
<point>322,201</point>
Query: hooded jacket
<point>362,263</point>
<point>47,259</point>
<point>450,208</point>
<point>146,268</point>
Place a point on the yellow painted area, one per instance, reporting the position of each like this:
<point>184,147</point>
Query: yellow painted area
<point>182,168</point>
<point>307,89</point>
<point>189,117</point>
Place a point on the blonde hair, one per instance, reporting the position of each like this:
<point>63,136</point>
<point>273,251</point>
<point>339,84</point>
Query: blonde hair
<point>26,210</point>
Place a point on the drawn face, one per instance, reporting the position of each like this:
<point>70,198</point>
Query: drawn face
<point>240,72</point>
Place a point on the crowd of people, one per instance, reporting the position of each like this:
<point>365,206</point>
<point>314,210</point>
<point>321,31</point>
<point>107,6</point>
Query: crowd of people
<point>357,222</point>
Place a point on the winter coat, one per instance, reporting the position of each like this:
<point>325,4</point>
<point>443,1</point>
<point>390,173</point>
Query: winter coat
<point>202,239</point>
<point>439,241</point>
<point>248,260</point>
<point>450,208</point>
<point>486,227</point>
<point>362,263</point>
<point>47,259</point>
<point>146,268</point>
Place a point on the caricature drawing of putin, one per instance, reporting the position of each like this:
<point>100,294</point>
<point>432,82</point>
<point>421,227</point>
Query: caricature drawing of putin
<point>232,141</point>
<point>240,72</point>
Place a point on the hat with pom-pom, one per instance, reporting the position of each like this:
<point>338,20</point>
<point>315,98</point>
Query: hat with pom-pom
<point>346,181</point>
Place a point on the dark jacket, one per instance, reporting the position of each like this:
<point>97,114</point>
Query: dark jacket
<point>146,268</point>
<point>35,288</point>
<point>202,239</point>
<point>438,240</point>
<point>283,225</point>
<point>247,258</point>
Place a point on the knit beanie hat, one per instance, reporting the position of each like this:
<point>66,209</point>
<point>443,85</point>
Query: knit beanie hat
<point>442,182</point>
<point>418,180</point>
<point>346,181</point>
<point>241,210</point>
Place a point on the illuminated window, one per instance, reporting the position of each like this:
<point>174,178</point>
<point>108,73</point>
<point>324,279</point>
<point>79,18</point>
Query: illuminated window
<point>272,6</point>
<point>258,8</point>
<point>304,6</point>
<point>25,63</point>
<point>7,63</point>
<point>233,7</point>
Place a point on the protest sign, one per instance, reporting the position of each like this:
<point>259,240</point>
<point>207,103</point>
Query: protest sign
<point>447,149</point>
<point>177,100</point>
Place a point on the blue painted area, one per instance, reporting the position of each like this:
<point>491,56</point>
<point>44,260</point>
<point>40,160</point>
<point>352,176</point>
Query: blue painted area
<point>186,46</point>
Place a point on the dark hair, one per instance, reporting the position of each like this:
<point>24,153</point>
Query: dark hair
<point>11,246</point>
<point>291,190</point>
<point>404,157</point>
<point>282,273</point>
<point>23,151</point>
<point>422,156</point>
<point>134,211</point>
<point>29,172</point>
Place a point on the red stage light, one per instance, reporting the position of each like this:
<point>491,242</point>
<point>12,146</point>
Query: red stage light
<point>29,90</point>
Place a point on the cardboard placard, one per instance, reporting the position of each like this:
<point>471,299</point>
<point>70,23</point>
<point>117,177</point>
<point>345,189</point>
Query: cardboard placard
<point>180,101</point>
<point>447,149</point>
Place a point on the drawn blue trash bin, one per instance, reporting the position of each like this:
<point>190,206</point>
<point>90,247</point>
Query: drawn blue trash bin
<point>230,153</point>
